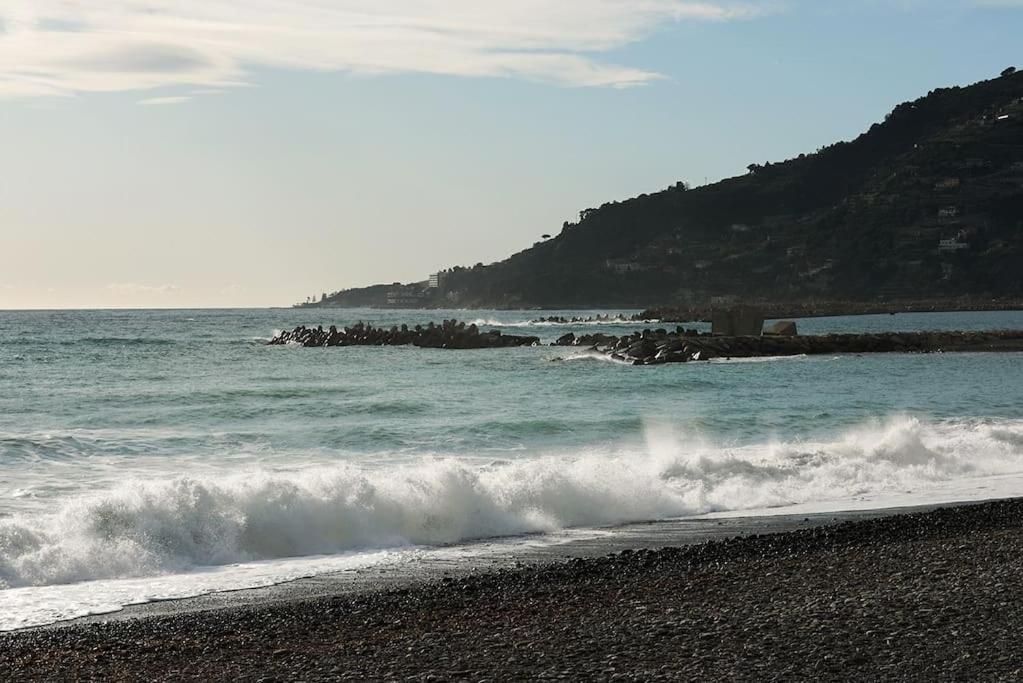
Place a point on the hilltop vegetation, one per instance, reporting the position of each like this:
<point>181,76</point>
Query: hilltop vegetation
<point>926,204</point>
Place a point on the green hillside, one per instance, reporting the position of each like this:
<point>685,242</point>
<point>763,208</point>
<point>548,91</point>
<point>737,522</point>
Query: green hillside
<point>925,205</point>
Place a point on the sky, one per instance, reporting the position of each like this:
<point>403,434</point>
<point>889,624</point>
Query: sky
<point>219,153</point>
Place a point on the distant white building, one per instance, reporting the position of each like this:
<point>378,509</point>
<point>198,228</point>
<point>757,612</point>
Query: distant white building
<point>952,244</point>
<point>623,266</point>
<point>948,212</point>
<point>435,280</point>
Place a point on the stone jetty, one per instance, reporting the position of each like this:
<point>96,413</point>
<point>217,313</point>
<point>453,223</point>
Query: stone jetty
<point>654,347</point>
<point>450,334</point>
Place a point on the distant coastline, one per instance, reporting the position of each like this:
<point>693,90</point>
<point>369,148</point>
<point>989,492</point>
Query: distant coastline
<point>771,310</point>
<point>837,308</point>
<point>922,207</point>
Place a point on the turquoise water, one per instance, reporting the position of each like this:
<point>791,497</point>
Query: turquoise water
<point>151,443</point>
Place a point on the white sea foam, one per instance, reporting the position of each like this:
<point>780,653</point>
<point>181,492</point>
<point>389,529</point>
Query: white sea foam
<point>170,538</point>
<point>591,355</point>
<point>38,605</point>
<point>147,528</point>
<point>759,359</point>
<point>491,322</point>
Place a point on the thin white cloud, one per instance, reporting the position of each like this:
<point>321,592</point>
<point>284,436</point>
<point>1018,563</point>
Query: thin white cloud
<point>136,288</point>
<point>56,47</point>
<point>156,101</point>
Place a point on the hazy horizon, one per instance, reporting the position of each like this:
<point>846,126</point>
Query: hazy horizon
<point>194,155</point>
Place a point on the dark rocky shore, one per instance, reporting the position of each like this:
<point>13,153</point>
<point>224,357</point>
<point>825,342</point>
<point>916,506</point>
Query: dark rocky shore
<point>934,595</point>
<point>654,347</point>
<point>450,334</point>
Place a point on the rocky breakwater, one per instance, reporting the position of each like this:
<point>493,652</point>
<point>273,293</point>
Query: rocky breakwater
<point>654,347</point>
<point>562,320</point>
<point>450,334</point>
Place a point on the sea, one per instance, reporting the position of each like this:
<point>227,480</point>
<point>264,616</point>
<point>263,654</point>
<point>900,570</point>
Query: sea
<point>157,454</point>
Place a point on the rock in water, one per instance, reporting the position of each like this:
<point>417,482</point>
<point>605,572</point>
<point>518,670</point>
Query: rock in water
<point>566,339</point>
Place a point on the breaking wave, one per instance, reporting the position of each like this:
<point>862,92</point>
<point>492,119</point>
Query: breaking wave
<point>145,528</point>
<point>591,355</point>
<point>490,322</point>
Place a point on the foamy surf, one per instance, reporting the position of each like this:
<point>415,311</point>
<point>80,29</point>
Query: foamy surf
<point>591,355</point>
<point>758,359</point>
<point>40,605</point>
<point>492,322</point>
<point>161,528</point>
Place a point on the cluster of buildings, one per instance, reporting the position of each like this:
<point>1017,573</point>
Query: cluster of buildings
<point>414,295</point>
<point>951,219</point>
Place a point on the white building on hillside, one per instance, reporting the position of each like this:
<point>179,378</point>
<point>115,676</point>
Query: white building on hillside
<point>952,244</point>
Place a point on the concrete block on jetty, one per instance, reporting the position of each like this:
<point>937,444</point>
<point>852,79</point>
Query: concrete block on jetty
<point>737,322</point>
<point>782,328</point>
<point>450,334</point>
